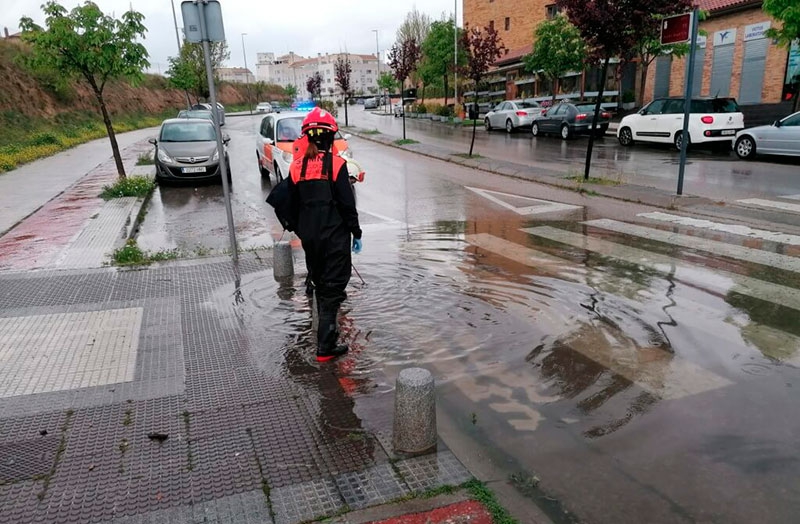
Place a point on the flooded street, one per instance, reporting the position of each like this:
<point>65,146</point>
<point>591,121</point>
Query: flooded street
<point>615,367</point>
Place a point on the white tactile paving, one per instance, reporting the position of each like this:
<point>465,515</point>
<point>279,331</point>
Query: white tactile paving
<point>63,351</point>
<point>96,241</point>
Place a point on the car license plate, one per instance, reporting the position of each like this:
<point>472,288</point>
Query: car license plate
<point>193,170</point>
<point>728,132</point>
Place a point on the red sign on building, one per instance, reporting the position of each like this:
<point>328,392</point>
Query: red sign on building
<point>676,29</point>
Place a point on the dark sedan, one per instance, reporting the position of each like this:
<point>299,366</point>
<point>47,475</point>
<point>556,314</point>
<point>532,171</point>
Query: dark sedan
<point>186,150</point>
<point>567,120</point>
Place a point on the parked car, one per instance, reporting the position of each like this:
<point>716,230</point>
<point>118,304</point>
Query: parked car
<point>371,103</point>
<point>186,150</point>
<point>274,143</point>
<point>511,115</point>
<point>568,120</point>
<point>195,113</point>
<point>220,111</point>
<point>711,120</point>
<point>780,138</point>
<point>264,107</point>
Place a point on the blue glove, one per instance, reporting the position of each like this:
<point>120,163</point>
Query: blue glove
<point>357,245</point>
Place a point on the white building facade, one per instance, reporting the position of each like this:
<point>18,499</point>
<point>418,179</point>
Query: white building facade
<point>292,69</point>
<point>236,75</point>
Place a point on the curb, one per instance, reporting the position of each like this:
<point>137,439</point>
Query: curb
<point>136,216</point>
<point>604,191</point>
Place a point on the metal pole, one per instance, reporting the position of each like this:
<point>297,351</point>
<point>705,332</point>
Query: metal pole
<point>455,51</point>
<point>246,78</point>
<point>215,113</point>
<point>178,41</point>
<point>688,100</point>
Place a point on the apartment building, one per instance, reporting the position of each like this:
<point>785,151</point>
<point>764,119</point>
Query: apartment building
<point>736,59</point>
<point>292,69</point>
<point>236,74</point>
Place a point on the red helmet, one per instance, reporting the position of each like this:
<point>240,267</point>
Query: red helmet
<point>319,119</point>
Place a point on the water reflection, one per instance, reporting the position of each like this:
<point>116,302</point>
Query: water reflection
<point>611,339</point>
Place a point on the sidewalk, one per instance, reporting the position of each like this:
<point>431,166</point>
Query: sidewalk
<point>152,395</point>
<point>170,401</point>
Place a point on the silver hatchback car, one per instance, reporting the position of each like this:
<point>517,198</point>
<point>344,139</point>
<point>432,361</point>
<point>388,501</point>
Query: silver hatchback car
<point>186,150</point>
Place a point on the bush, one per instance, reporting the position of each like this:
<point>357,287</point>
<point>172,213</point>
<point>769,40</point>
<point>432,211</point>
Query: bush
<point>329,106</point>
<point>132,186</point>
<point>445,111</point>
<point>130,254</point>
<point>421,109</point>
<point>434,109</point>
<point>45,139</point>
<point>628,97</point>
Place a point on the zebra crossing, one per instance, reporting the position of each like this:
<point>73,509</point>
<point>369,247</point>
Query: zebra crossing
<point>709,271</point>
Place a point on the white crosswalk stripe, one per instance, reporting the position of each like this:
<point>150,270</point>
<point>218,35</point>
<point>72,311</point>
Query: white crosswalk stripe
<point>724,249</point>
<point>655,370</point>
<point>717,281</point>
<point>772,204</point>
<point>733,229</point>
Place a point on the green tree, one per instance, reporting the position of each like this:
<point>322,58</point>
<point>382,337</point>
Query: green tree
<point>787,12</point>
<point>291,91</point>
<point>558,49</point>
<point>85,43</point>
<point>437,64</point>
<point>188,71</point>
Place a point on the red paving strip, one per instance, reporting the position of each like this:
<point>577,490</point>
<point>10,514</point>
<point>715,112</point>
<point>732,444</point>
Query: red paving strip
<point>38,240</point>
<point>461,513</point>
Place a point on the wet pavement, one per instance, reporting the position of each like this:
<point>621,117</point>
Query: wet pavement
<point>613,362</point>
<point>612,367</point>
<point>717,175</point>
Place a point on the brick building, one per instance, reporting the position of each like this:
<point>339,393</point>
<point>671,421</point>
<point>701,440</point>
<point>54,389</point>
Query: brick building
<point>747,65</point>
<point>734,58</point>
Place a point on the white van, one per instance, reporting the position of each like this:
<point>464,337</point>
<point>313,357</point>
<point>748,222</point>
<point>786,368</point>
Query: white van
<point>661,121</point>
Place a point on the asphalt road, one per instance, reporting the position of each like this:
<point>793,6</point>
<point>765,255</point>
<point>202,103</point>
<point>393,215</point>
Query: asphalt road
<point>711,174</point>
<point>614,373</point>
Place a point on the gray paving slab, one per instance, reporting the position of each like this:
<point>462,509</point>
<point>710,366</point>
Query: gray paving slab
<point>432,471</point>
<point>307,501</point>
<point>102,233</point>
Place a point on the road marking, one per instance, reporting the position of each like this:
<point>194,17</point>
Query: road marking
<point>745,231</point>
<point>655,370</point>
<point>774,204</point>
<point>542,206</point>
<point>745,254</point>
<point>718,281</point>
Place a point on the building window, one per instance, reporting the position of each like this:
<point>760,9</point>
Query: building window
<point>508,23</point>
<point>551,11</point>
<point>491,25</point>
<point>369,71</point>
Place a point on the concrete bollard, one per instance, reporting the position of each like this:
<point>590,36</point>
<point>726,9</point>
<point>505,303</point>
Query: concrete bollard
<point>415,412</point>
<point>282,260</point>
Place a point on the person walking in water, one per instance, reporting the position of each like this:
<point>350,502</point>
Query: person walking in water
<point>324,211</point>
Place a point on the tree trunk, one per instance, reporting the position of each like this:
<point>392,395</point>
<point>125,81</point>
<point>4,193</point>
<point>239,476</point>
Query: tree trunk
<point>642,82</point>
<point>595,118</point>
<point>110,130</point>
<point>553,86</point>
<point>346,124</point>
<point>445,90</point>
<point>474,122</point>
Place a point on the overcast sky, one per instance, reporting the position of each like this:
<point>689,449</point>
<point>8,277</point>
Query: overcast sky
<point>306,27</point>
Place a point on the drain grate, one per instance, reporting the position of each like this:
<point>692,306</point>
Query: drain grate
<point>27,458</point>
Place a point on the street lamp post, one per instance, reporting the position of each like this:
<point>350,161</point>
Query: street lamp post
<point>246,78</point>
<point>378,57</point>
<point>178,41</point>
<point>455,51</point>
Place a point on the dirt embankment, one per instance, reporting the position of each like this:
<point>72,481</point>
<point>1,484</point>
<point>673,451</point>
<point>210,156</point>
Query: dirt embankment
<point>38,96</point>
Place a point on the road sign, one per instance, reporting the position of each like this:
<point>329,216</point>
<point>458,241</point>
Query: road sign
<point>676,29</point>
<point>192,27</point>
